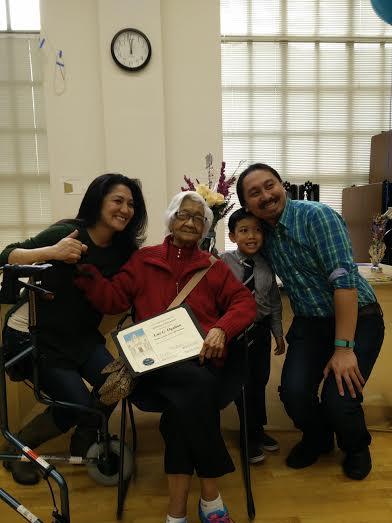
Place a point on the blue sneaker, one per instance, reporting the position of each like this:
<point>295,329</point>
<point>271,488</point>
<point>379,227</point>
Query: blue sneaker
<point>217,516</point>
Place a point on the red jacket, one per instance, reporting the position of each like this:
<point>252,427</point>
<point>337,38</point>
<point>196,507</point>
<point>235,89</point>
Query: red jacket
<point>147,282</point>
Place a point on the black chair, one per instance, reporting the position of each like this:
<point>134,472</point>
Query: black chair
<point>153,404</point>
<point>310,190</point>
<point>291,190</point>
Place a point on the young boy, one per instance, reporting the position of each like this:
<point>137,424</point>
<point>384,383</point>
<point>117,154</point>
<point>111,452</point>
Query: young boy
<point>249,266</point>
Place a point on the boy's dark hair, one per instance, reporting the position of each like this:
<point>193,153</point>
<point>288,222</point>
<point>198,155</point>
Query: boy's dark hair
<point>250,169</point>
<point>238,215</point>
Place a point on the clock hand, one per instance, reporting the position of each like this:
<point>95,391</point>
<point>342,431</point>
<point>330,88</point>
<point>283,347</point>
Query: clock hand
<point>131,44</point>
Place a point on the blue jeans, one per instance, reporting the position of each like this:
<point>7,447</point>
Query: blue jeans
<point>66,384</point>
<point>310,346</point>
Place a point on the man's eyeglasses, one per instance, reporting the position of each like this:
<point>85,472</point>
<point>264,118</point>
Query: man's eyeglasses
<point>184,216</point>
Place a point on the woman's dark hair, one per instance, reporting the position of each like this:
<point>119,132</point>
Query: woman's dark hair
<point>89,212</point>
<point>251,169</point>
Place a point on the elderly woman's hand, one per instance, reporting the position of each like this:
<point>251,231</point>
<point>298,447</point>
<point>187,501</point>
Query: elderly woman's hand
<point>214,344</point>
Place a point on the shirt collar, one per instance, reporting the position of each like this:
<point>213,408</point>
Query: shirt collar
<point>239,255</point>
<point>242,257</point>
<point>286,218</point>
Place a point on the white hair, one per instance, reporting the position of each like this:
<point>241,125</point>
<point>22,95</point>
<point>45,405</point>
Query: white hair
<point>175,204</point>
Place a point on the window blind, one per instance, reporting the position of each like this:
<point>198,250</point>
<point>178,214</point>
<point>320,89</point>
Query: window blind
<point>24,176</point>
<point>305,84</point>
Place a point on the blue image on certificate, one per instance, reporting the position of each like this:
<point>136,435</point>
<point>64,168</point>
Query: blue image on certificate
<point>148,361</point>
<point>132,337</point>
<point>138,343</point>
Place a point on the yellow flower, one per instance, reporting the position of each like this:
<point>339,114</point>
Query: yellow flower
<point>211,199</point>
<point>203,190</point>
<point>220,199</point>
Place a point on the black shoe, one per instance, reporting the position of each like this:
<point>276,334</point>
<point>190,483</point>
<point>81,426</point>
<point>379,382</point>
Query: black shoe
<point>269,443</point>
<point>301,456</point>
<point>39,430</point>
<point>305,453</point>
<point>256,454</point>
<point>23,473</point>
<point>357,465</point>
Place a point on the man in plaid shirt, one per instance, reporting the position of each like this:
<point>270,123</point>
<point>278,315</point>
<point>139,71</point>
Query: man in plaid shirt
<point>337,330</point>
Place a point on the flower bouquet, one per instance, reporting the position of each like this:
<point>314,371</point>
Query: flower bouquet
<point>377,246</point>
<point>216,194</point>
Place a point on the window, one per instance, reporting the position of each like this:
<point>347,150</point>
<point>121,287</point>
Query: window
<point>19,15</point>
<point>305,84</point>
<point>24,176</point>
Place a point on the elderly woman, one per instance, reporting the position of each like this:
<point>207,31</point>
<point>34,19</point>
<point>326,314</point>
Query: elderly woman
<point>191,390</point>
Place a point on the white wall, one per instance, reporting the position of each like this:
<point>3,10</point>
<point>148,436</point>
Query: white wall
<point>156,124</point>
<point>192,86</point>
<point>76,147</point>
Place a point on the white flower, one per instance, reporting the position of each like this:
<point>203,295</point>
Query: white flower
<point>388,214</point>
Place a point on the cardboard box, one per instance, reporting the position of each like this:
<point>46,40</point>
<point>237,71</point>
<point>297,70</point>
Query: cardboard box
<point>381,157</point>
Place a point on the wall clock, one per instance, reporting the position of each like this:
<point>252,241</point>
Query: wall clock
<point>131,49</point>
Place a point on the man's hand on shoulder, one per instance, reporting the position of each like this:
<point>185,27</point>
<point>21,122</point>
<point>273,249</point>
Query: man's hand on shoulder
<point>344,365</point>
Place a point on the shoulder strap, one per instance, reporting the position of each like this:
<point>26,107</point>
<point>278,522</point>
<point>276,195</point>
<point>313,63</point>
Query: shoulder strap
<point>191,284</point>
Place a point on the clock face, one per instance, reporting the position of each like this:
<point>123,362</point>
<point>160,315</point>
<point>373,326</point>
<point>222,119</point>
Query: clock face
<point>131,49</point>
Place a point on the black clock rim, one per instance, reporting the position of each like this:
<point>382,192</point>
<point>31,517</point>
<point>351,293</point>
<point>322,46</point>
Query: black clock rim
<point>126,67</point>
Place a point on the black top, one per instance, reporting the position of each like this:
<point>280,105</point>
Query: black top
<point>68,325</point>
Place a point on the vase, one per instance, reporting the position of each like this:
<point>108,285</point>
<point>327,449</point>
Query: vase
<point>208,242</point>
<point>376,252</point>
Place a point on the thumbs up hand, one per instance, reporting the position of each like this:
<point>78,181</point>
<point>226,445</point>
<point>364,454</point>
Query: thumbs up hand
<point>69,249</point>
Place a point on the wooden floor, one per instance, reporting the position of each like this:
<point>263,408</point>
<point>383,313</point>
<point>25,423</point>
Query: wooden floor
<point>318,494</point>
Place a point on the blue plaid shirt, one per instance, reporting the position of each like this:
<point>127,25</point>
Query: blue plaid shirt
<point>310,251</point>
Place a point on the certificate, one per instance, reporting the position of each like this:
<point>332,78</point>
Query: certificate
<point>170,337</point>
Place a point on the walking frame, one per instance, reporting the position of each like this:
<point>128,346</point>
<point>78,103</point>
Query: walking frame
<point>102,457</point>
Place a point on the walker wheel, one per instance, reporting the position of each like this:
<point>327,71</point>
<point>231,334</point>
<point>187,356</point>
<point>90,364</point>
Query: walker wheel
<point>109,474</point>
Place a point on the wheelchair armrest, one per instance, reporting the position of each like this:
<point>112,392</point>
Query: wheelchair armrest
<point>24,271</point>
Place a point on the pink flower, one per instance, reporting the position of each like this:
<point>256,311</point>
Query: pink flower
<point>191,185</point>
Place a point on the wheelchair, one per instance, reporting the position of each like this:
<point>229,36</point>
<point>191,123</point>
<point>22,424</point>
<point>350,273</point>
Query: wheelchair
<point>103,457</point>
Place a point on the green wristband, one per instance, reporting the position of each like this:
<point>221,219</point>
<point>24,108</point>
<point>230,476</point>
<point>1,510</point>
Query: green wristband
<point>345,343</point>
